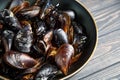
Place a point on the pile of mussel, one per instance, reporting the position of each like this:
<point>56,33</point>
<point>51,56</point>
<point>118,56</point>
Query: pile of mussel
<point>39,41</point>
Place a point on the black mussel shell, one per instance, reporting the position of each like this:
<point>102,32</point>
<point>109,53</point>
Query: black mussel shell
<point>79,41</point>
<point>24,38</point>
<point>1,49</point>
<point>10,20</point>
<point>46,72</point>
<point>77,28</point>
<point>59,37</point>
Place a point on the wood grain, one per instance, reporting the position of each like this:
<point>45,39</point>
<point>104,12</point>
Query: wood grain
<point>105,64</point>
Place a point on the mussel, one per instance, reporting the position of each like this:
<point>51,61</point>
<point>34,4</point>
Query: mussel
<point>7,38</point>
<point>65,21</point>
<point>29,73</point>
<point>52,20</point>
<point>40,28</point>
<point>46,72</point>
<point>29,12</point>
<point>15,3</point>
<point>19,7</point>
<point>16,59</point>
<point>10,20</point>
<point>59,37</point>
<point>64,56</point>
<point>79,41</point>
<point>40,3</point>
<point>24,38</point>
<point>19,60</point>
<point>46,9</point>
<point>79,38</point>
<point>70,13</point>
<point>41,47</point>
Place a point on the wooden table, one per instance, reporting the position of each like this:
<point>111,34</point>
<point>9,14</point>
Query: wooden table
<point>105,64</point>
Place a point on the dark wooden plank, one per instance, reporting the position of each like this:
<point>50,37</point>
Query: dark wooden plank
<point>105,64</point>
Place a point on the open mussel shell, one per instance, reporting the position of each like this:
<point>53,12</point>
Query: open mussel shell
<point>40,28</point>
<point>46,72</point>
<point>19,60</point>
<point>41,47</point>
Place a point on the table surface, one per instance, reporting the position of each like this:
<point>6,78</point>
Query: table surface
<point>105,64</point>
